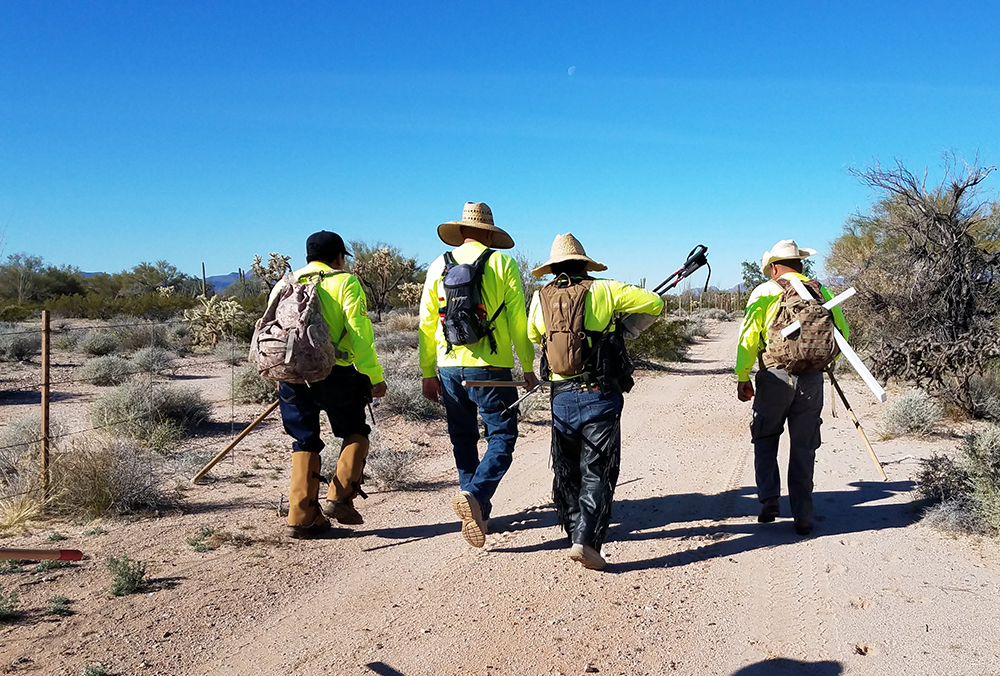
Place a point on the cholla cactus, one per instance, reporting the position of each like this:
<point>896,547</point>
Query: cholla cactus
<point>165,291</point>
<point>409,293</point>
<point>380,273</point>
<point>277,266</point>
<point>213,318</point>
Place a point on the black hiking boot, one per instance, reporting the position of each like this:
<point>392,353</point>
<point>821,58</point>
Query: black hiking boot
<point>769,511</point>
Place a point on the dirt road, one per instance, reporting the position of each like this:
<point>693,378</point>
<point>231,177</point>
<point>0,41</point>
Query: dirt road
<point>695,585</point>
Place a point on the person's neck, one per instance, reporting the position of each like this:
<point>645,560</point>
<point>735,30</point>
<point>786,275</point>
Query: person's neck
<point>473,239</point>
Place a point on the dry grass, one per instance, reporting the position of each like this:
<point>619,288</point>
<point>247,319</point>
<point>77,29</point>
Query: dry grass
<point>105,371</point>
<point>912,412</point>
<point>250,387</point>
<point>152,413</point>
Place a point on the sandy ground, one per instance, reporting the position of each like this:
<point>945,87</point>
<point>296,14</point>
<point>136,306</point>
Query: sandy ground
<point>695,585</point>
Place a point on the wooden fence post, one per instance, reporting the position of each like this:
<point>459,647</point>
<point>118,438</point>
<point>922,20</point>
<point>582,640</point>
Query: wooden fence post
<point>45,407</point>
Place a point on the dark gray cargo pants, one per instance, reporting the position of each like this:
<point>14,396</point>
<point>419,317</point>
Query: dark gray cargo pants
<point>781,396</point>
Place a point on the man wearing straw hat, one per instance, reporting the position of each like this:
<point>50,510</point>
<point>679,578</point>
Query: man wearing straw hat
<point>781,396</point>
<point>571,318</point>
<point>446,360</point>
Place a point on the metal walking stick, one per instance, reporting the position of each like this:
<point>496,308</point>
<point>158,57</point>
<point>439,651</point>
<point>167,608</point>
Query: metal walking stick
<point>857,425</point>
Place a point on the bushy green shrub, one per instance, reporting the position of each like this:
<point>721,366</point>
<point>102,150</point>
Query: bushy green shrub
<point>18,343</point>
<point>153,360</point>
<point>127,575</point>
<point>95,306</point>
<point>98,343</point>
<point>12,311</point>
<point>100,476</point>
<point>250,387</point>
<point>8,606</point>
<point>965,493</point>
<point>665,340</point>
<point>142,411</point>
<point>912,412</point>
<point>107,370</point>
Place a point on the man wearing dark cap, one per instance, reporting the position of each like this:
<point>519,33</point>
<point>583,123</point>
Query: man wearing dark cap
<point>343,395</point>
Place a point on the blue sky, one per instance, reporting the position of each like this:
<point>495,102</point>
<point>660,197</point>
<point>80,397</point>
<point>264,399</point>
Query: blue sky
<point>210,131</point>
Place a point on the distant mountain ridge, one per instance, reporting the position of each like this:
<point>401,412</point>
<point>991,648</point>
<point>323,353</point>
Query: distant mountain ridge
<point>218,282</point>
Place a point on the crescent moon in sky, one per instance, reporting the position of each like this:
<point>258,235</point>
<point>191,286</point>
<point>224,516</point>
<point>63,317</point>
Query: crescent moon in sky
<point>572,69</point>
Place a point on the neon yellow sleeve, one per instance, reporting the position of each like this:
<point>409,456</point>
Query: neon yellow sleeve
<point>635,300</point>
<point>838,314</point>
<point>751,332</point>
<point>359,330</point>
<point>429,318</point>
<point>536,323</point>
<point>517,317</point>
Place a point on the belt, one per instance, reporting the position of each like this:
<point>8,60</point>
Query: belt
<point>560,386</point>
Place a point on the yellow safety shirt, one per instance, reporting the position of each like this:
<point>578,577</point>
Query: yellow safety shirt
<point>345,309</point>
<point>762,307</point>
<point>605,299</point>
<point>501,283</point>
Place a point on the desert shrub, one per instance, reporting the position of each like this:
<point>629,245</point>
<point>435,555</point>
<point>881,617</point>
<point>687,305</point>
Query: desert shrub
<point>696,328</point>
<point>912,412</point>
<point>143,411</point>
<point>12,311</point>
<point>965,493</point>
<point>59,605</point>
<point>134,333</point>
<point>106,370</point>
<point>8,606</point>
<point>251,388</point>
<point>390,342</point>
<point>18,343</point>
<point>98,342</point>
<point>21,439</point>
<point>152,360</point>
<point>105,476</point>
<point>400,322</point>
<point>127,575</point>
<point>231,352</point>
<point>405,397</point>
<point>66,340</point>
<point>984,393</point>
<point>96,670</point>
<point>714,313</point>
<point>665,340</point>
<point>392,468</point>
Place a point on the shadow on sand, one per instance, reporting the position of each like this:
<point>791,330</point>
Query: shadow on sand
<point>786,667</point>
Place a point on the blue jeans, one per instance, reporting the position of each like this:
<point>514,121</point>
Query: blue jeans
<point>479,477</point>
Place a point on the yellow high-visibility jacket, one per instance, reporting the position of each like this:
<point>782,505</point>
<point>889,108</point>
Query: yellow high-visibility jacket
<point>762,307</point>
<point>501,283</point>
<point>345,310</point>
<point>604,300</point>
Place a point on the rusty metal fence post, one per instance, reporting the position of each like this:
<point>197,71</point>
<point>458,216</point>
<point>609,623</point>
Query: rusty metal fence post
<point>45,407</point>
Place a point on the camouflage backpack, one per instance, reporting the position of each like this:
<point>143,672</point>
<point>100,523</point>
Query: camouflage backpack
<point>811,348</point>
<point>291,342</point>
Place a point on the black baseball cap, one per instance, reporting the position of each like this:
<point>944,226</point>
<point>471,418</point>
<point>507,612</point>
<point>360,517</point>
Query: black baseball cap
<point>325,246</point>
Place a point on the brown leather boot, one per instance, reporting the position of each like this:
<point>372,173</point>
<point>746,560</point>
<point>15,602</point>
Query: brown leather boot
<point>304,517</point>
<point>345,485</point>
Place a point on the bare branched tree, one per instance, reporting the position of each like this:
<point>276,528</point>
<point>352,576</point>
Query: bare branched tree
<point>926,264</point>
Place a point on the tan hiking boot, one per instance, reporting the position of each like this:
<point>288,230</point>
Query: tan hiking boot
<point>350,468</point>
<point>587,556</point>
<point>344,512</point>
<point>304,517</point>
<point>474,527</point>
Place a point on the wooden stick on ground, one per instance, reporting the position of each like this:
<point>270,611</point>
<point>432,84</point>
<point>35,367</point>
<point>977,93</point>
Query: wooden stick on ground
<point>857,425</point>
<point>225,451</point>
<point>40,555</point>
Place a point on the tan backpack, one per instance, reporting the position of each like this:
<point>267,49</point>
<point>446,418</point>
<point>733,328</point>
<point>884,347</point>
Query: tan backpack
<point>810,349</point>
<point>291,342</point>
<point>563,302</point>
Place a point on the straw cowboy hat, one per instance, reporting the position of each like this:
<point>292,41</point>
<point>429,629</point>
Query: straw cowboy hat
<point>474,215</point>
<point>567,248</point>
<point>784,250</point>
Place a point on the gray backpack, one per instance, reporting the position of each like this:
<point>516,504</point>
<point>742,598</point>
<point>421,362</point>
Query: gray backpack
<point>291,343</point>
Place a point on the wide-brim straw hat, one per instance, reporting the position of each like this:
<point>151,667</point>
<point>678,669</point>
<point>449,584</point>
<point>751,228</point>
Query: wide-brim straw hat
<point>474,215</point>
<point>567,248</point>
<point>784,250</point>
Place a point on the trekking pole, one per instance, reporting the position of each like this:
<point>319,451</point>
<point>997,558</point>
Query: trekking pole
<point>504,413</point>
<point>225,451</point>
<point>857,425</point>
<point>697,258</point>
<point>493,383</point>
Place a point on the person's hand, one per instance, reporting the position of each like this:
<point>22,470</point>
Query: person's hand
<point>432,389</point>
<point>378,390</point>
<point>530,381</point>
<point>744,390</point>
